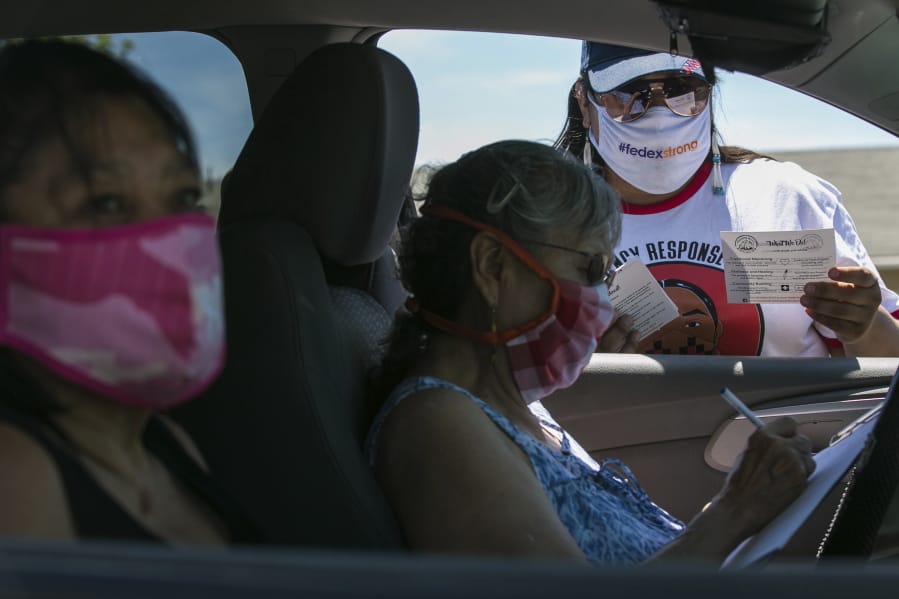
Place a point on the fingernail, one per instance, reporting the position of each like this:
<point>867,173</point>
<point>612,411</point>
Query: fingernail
<point>833,273</point>
<point>809,289</point>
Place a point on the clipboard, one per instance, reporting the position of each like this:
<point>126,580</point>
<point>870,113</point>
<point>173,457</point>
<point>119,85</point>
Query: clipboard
<point>871,487</point>
<point>870,451</point>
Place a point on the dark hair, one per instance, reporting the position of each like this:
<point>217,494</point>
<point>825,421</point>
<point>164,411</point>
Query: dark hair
<point>47,86</point>
<point>574,135</point>
<point>20,391</point>
<point>522,188</point>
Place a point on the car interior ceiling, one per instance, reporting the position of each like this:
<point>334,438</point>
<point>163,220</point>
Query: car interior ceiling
<point>617,21</point>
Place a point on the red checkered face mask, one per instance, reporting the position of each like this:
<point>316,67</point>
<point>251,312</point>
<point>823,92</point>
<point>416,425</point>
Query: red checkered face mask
<point>552,355</point>
<point>550,351</point>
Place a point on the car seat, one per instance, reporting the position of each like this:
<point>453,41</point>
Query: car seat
<point>314,194</point>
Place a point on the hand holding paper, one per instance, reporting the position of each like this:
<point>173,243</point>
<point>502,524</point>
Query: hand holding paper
<point>846,304</point>
<point>636,293</point>
<point>773,267</point>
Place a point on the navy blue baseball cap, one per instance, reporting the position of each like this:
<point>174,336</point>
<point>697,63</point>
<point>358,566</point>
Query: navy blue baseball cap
<point>608,67</point>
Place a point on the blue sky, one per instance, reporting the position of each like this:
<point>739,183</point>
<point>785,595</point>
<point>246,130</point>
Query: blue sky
<point>207,82</point>
<point>476,88</point>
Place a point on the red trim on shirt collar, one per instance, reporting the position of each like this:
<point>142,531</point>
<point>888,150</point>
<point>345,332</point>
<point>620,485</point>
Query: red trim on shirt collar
<point>701,176</point>
<point>832,343</point>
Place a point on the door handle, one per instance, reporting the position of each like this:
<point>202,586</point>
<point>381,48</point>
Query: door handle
<point>818,422</point>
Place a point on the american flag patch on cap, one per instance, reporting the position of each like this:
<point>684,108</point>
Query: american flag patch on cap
<point>690,66</point>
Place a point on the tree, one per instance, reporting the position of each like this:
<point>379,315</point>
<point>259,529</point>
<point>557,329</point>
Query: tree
<point>105,42</point>
<point>113,45</point>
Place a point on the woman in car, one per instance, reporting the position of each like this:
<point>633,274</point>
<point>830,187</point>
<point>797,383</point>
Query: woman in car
<point>645,119</point>
<point>508,267</point>
<point>110,305</point>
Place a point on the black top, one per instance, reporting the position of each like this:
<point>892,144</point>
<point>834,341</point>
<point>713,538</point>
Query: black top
<point>97,515</point>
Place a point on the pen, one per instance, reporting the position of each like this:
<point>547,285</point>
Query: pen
<point>739,406</point>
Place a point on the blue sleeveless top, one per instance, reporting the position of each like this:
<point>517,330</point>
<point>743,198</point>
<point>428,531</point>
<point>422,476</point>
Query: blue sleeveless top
<point>607,512</point>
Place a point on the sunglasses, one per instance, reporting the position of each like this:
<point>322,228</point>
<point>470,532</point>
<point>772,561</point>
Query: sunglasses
<point>683,95</point>
<point>597,270</point>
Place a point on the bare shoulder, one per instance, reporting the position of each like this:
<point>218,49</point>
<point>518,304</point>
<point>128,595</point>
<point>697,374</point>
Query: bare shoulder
<point>437,425</point>
<point>457,482</point>
<point>442,431</point>
<point>33,501</point>
<point>184,440</point>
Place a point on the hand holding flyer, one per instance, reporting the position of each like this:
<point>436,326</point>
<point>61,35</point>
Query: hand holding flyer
<point>773,267</point>
<point>636,293</point>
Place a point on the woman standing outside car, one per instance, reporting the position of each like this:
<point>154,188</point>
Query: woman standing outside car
<point>110,305</point>
<point>646,120</point>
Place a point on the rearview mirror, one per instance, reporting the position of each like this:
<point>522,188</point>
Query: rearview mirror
<point>754,37</point>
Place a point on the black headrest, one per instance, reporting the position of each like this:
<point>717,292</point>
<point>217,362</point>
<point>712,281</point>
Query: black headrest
<point>333,152</point>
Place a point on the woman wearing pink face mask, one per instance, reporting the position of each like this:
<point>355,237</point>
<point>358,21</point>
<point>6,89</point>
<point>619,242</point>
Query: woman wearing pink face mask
<point>508,270</point>
<point>110,305</point>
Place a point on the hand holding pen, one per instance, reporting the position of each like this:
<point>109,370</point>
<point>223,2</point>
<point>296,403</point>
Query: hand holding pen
<point>770,473</point>
<point>741,407</point>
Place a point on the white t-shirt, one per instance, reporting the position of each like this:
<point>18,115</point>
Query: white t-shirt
<point>679,240</point>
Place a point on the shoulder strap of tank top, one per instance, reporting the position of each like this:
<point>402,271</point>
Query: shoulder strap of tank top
<point>94,513</point>
<point>163,444</point>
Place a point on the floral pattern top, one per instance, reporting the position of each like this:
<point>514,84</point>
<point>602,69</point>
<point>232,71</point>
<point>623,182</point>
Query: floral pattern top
<point>607,512</point>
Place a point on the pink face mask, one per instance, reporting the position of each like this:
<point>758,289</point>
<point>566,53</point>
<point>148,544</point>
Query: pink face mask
<point>552,355</point>
<point>550,352</point>
<point>133,313</point>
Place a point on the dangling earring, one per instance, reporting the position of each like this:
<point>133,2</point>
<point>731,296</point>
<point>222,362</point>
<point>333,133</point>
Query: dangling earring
<point>717,179</point>
<point>588,153</point>
<point>493,332</point>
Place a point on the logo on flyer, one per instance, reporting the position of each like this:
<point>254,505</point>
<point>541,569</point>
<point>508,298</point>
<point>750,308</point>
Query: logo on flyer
<point>813,241</point>
<point>747,243</point>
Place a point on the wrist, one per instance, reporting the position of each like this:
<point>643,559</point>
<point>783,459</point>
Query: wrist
<point>726,519</point>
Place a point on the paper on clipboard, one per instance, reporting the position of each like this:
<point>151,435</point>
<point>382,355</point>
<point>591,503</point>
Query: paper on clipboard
<point>635,292</point>
<point>832,464</point>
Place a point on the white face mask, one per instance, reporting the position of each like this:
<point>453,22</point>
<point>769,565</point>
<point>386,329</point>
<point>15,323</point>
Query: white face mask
<point>657,153</point>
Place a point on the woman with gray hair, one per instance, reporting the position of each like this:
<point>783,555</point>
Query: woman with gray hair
<point>508,267</point>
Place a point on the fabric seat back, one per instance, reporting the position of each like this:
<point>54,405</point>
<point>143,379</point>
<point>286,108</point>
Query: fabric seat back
<point>320,181</point>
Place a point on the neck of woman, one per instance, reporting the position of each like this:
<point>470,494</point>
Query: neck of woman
<point>107,433</point>
<point>481,369</point>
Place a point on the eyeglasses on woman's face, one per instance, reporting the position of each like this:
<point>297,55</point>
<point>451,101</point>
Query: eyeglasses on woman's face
<point>599,268</point>
<point>684,95</point>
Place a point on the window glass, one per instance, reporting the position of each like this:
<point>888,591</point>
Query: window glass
<point>208,84</point>
<point>478,87</point>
